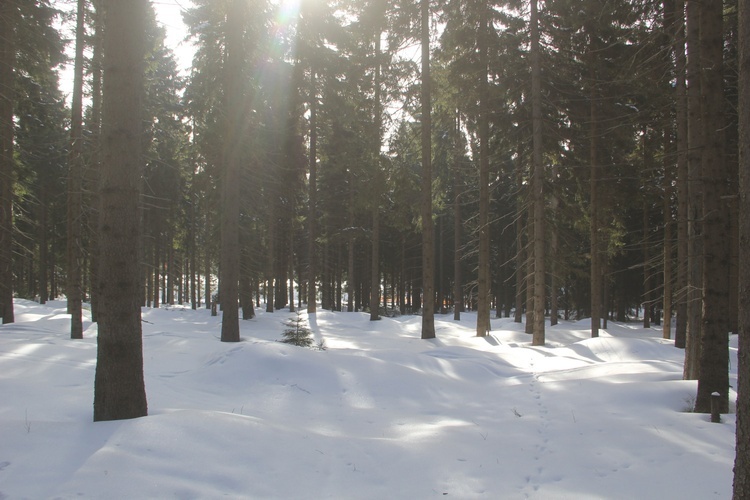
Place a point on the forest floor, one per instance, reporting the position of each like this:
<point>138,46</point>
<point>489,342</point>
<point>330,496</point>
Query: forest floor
<point>378,414</point>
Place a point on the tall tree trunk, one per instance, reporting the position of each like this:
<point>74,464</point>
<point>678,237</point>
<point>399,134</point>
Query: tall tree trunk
<point>192,247</point>
<point>312,292</point>
<point>119,389</point>
<point>458,294</point>
<point>667,252</point>
<point>646,266</point>
<point>375,262</point>
<point>92,173</point>
<point>681,114</point>
<point>714,358</point>
<point>291,266</point>
<point>695,189</point>
<point>483,268</point>
<point>520,247</point>
<point>596,258</point>
<point>428,239</point>
<point>350,250</point>
<point>741,488</point>
<point>8,12</point>
<point>43,243</point>
<point>538,179</point>
<point>75,182</point>
<point>229,267</point>
<point>271,254</point>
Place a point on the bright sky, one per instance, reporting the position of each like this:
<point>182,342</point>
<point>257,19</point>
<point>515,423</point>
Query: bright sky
<point>169,14</point>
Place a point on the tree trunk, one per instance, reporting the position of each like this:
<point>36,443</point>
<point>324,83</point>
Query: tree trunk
<point>681,113</point>
<point>520,247</point>
<point>538,180</point>
<point>43,244</point>
<point>458,299</point>
<point>596,266</point>
<point>75,180</point>
<point>119,390</point>
<point>695,188</point>
<point>742,456</point>
<point>378,181</point>
<point>483,268</point>
<point>92,173</point>
<point>229,267</point>
<point>271,253</point>
<point>428,239</point>
<point>312,198</point>
<point>7,61</point>
<point>646,266</point>
<point>667,301</point>
<point>714,357</point>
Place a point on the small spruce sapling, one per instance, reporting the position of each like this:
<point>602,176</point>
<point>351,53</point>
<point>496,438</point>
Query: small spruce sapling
<point>297,332</point>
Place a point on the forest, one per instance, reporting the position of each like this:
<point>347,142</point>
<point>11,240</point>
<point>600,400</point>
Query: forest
<point>513,158</point>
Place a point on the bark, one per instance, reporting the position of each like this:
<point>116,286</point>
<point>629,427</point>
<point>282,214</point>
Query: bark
<point>271,253</point>
<point>119,390</point>
<point>75,182</point>
<point>229,267</point>
<point>92,173</point>
<point>714,357</point>
<point>375,262</point>
<point>647,286</point>
<point>483,269</point>
<point>682,176</point>
<point>8,11</point>
<point>667,252</point>
<point>458,299</point>
<point>742,457</point>
<point>520,248</point>
<point>312,199</point>
<point>428,239</point>
<point>596,275</point>
<point>695,187</point>
<point>538,180</point>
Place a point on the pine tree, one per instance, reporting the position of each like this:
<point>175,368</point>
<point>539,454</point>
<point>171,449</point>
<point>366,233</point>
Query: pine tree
<point>230,181</point>
<point>119,390</point>
<point>428,251</point>
<point>75,185</point>
<point>741,489</point>
<point>8,16</point>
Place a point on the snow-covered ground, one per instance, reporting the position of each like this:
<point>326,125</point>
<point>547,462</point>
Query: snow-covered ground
<point>380,414</point>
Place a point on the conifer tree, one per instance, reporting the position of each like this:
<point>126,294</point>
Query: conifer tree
<point>119,390</point>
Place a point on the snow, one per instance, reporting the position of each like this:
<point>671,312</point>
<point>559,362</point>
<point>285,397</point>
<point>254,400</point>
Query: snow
<point>379,414</point>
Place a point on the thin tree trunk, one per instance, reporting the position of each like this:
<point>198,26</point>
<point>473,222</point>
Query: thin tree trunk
<point>682,176</point>
<point>350,249</point>
<point>271,256</point>
<point>667,301</point>
<point>596,266</point>
<point>312,198</point>
<point>428,239</point>
<point>537,179</point>
<point>75,181</point>
<point>458,299</point>
<point>229,267</point>
<point>483,268</point>
<point>520,248</point>
<point>43,244</point>
<point>92,173</point>
<point>695,188</point>
<point>646,267</point>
